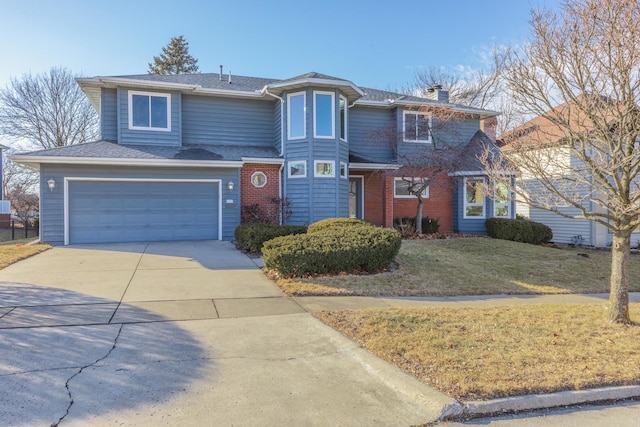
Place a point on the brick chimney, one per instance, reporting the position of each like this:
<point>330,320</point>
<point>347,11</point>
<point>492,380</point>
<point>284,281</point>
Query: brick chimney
<point>489,126</point>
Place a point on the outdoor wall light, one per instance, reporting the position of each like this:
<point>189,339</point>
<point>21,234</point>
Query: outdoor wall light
<point>230,185</point>
<point>52,184</point>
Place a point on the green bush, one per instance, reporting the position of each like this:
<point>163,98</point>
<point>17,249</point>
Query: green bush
<point>429,225</point>
<point>362,248</point>
<point>518,230</point>
<point>336,222</point>
<point>251,237</point>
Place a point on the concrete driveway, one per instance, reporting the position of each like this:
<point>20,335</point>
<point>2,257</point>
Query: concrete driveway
<point>181,333</point>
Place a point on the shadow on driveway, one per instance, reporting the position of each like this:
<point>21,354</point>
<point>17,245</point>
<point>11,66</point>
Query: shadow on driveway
<point>60,358</point>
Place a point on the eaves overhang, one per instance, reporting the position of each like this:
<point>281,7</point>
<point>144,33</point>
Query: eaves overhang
<point>373,166</point>
<point>34,161</point>
<point>352,91</point>
<point>393,103</point>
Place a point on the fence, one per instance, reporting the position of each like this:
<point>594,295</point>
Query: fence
<point>16,230</point>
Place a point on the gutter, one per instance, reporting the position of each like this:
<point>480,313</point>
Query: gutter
<point>30,161</point>
<point>282,181</point>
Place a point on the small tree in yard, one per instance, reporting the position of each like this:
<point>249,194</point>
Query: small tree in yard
<point>580,73</point>
<point>174,59</point>
<point>24,204</point>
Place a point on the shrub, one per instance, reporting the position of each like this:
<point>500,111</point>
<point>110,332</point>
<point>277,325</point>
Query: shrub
<point>405,225</point>
<point>518,230</point>
<point>348,249</point>
<point>336,222</point>
<point>252,236</point>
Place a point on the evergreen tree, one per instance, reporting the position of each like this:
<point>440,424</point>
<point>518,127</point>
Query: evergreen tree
<point>174,59</point>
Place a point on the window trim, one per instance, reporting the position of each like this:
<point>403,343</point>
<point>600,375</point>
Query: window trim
<point>344,121</point>
<point>333,115</point>
<point>425,193</point>
<point>266,179</point>
<point>333,169</point>
<point>497,204</point>
<point>465,204</point>
<point>130,96</point>
<point>344,175</point>
<point>293,162</point>
<point>304,115</point>
<point>404,126</point>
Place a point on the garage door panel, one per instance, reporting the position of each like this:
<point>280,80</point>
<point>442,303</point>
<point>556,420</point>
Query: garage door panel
<point>105,211</point>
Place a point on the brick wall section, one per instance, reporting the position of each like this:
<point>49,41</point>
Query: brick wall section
<point>250,195</point>
<point>439,204</point>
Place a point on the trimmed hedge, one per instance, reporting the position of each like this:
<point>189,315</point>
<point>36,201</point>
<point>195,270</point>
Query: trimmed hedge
<point>251,237</point>
<point>336,222</point>
<point>518,230</point>
<point>362,248</point>
<point>429,225</point>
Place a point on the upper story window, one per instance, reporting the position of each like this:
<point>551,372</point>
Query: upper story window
<point>150,111</point>
<point>417,127</point>
<point>324,115</point>
<point>296,123</point>
<point>401,188</point>
<point>474,198</point>
<point>343,118</point>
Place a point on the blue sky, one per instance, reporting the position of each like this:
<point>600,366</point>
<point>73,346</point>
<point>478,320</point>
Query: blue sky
<point>375,43</point>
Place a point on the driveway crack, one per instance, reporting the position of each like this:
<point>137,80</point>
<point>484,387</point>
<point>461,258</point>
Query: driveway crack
<point>68,386</point>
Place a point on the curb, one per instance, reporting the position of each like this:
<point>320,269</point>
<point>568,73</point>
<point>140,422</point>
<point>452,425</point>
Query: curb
<point>531,402</point>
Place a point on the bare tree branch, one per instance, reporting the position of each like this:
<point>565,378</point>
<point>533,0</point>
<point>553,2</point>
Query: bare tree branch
<point>49,110</point>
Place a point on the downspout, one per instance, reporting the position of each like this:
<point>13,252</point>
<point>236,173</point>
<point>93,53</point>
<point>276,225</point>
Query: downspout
<point>283,182</point>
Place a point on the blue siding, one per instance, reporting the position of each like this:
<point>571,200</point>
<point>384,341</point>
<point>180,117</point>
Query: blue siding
<point>246,122</point>
<point>109,115</point>
<point>472,225</point>
<point>52,202</point>
<point>134,136</point>
<point>368,131</point>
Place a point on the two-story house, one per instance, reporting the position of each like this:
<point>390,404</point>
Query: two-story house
<point>180,155</point>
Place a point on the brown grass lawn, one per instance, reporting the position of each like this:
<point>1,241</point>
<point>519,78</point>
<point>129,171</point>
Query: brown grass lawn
<point>475,266</point>
<point>12,252</point>
<point>475,354</point>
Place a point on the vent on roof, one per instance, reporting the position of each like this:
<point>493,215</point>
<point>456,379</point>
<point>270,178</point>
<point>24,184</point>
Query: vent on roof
<point>220,78</point>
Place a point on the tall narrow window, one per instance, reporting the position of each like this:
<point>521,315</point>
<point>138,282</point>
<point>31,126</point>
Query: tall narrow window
<point>149,111</point>
<point>417,127</point>
<point>324,115</point>
<point>474,198</point>
<point>296,123</point>
<point>343,118</point>
<point>501,203</point>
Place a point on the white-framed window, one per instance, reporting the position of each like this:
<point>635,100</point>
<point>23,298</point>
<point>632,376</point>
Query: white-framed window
<point>474,198</point>
<point>324,168</point>
<point>259,179</point>
<point>296,115</point>
<point>150,111</point>
<point>297,169</point>
<point>343,117</point>
<point>501,205</point>
<point>344,171</point>
<point>416,126</point>
<point>401,188</point>
<point>324,116</point>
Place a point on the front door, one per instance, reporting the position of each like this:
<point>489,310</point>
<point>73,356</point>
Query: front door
<point>356,192</point>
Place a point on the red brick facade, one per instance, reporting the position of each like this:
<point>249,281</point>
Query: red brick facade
<point>262,197</point>
<point>380,206</point>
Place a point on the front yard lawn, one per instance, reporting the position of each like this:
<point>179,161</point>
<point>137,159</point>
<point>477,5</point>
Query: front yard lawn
<point>475,266</point>
<point>12,252</point>
<point>475,354</point>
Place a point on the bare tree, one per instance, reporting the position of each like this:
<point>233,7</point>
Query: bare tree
<point>24,203</point>
<point>481,88</point>
<point>48,110</point>
<point>579,73</point>
<point>15,177</point>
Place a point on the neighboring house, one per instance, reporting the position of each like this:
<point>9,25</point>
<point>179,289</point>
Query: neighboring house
<point>180,155</point>
<point>567,222</point>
